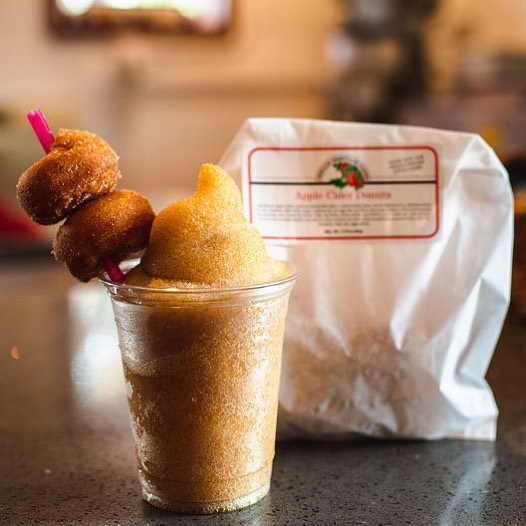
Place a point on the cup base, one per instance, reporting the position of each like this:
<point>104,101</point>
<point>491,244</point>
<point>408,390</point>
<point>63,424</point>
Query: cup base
<point>206,507</point>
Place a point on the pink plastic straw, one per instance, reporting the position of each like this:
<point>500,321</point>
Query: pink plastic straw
<point>41,128</point>
<point>113,270</point>
<point>46,138</point>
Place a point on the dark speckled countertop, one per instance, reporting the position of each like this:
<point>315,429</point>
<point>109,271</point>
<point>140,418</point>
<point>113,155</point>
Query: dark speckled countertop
<point>66,449</point>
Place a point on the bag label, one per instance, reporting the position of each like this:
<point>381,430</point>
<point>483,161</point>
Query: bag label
<point>342,193</point>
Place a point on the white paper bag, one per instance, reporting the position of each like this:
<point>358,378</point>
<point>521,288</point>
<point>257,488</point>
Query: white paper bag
<point>403,237</point>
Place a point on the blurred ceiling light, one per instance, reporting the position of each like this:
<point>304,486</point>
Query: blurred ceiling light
<point>74,17</point>
<point>79,7</point>
<point>75,7</point>
<point>122,4</point>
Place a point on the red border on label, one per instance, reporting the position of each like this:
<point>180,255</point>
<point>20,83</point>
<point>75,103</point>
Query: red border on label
<point>347,148</point>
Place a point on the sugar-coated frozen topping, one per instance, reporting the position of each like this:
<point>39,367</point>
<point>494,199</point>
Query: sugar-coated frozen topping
<point>205,239</point>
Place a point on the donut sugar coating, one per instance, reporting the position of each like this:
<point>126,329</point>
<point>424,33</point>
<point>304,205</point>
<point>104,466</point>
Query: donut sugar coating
<point>114,226</point>
<point>79,167</point>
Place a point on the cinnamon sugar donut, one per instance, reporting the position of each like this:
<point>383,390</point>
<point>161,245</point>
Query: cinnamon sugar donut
<point>113,226</point>
<point>80,167</point>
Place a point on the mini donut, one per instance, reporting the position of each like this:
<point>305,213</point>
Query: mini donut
<point>113,226</point>
<point>79,167</point>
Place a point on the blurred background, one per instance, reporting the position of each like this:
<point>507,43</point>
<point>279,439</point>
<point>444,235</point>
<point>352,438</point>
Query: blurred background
<point>169,86</point>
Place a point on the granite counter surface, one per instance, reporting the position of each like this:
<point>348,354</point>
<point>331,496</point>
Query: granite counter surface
<point>66,453</point>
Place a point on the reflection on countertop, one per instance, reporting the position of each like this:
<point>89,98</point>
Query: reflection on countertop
<point>66,452</point>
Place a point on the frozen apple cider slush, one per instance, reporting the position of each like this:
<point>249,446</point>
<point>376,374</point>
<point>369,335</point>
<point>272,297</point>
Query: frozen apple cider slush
<point>200,323</point>
<point>200,319</point>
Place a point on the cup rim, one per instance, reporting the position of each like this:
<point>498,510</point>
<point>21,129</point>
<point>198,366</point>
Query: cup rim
<point>190,291</point>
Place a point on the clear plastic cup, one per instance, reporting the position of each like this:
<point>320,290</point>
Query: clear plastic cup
<point>202,370</point>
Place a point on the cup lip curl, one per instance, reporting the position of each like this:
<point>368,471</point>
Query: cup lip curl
<point>115,287</point>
